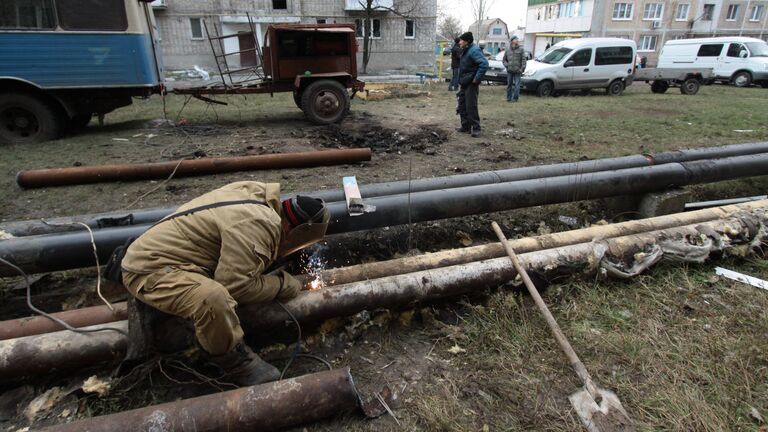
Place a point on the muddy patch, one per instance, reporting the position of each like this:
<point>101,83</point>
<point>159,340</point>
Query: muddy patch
<point>381,139</point>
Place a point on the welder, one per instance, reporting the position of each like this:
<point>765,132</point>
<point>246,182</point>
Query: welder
<point>211,255</point>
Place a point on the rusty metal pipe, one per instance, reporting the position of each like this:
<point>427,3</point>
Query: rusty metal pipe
<point>63,350</point>
<point>85,317</point>
<point>265,407</point>
<point>36,354</point>
<point>187,168</point>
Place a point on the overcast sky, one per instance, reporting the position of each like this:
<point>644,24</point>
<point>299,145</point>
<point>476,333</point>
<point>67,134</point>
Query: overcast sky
<point>511,11</point>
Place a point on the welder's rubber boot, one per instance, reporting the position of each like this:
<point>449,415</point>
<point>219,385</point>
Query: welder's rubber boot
<point>243,367</point>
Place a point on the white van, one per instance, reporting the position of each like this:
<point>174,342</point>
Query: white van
<point>738,60</point>
<point>582,64</point>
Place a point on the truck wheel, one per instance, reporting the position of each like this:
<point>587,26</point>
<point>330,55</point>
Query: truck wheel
<point>325,102</point>
<point>690,87</point>
<point>25,119</point>
<point>545,89</point>
<point>659,86</point>
<point>616,88</point>
<point>742,79</point>
<point>764,84</point>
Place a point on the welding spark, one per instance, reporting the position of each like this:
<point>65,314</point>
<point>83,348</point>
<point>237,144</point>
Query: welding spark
<point>314,266</point>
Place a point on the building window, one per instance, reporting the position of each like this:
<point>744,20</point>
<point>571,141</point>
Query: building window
<point>647,43</point>
<point>322,21</point>
<point>709,12</point>
<point>375,28</point>
<point>196,24</point>
<point>410,29</point>
<point>733,10</point>
<point>25,14</point>
<point>280,4</point>
<point>682,12</point>
<point>710,50</point>
<point>497,31</point>
<point>757,13</point>
<point>622,11</point>
<point>653,11</point>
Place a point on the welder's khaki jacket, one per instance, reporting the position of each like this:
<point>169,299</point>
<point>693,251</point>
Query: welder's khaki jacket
<point>232,245</point>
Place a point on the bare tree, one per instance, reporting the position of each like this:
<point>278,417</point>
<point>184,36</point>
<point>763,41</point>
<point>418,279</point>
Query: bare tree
<point>480,10</point>
<point>375,8</point>
<point>449,27</point>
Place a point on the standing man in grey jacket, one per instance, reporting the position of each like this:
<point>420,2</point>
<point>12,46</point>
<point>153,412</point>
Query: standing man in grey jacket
<point>514,61</point>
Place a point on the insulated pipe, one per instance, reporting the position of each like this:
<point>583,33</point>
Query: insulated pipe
<point>62,350</point>
<point>187,168</point>
<point>77,318</point>
<point>100,314</point>
<point>375,270</point>
<point>36,254</point>
<point>267,407</point>
<point>146,216</point>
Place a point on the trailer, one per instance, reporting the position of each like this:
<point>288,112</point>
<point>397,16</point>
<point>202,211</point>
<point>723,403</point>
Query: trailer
<point>315,62</point>
<point>661,79</point>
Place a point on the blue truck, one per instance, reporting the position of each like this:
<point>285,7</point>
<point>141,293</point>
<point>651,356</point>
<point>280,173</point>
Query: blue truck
<point>62,62</point>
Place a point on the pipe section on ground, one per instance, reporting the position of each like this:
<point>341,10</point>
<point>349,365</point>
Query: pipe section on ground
<point>187,168</point>
<point>62,350</point>
<point>38,254</point>
<point>148,216</point>
<point>267,407</point>
<point>24,356</point>
<point>77,318</point>
<point>339,276</point>
<point>375,270</point>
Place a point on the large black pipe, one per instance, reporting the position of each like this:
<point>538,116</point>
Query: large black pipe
<point>54,252</point>
<point>147,216</point>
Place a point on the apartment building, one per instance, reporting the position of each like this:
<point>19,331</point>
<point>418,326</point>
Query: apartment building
<point>403,31</point>
<point>650,23</point>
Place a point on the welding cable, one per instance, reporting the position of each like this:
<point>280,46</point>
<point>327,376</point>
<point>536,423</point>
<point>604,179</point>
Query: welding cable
<point>297,351</point>
<point>50,317</point>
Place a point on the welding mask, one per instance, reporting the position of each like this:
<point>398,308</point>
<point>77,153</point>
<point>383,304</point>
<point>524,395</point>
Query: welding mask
<point>308,221</point>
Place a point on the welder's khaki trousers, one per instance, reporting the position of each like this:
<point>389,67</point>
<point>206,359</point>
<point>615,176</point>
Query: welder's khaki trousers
<point>195,297</point>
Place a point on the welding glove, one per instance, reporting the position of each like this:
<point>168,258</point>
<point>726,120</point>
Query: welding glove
<point>289,286</point>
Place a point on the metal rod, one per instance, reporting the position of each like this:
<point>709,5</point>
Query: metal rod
<point>340,276</point>
<point>55,252</point>
<point>722,202</point>
<point>266,407</point>
<point>145,216</point>
<point>186,168</point>
<point>62,350</point>
<point>85,317</point>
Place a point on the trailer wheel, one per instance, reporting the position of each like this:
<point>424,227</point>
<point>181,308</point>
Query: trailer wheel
<point>690,87</point>
<point>742,79</point>
<point>545,89</point>
<point>325,102</point>
<point>764,84</point>
<point>659,86</point>
<point>25,119</point>
<point>616,88</point>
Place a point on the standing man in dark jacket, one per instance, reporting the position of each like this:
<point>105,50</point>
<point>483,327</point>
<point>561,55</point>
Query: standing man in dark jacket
<point>455,61</point>
<point>514,61</point>
<point>472,69</point>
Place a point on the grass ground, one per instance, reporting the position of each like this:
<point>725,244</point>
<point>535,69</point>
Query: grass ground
<point>684,351</point>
